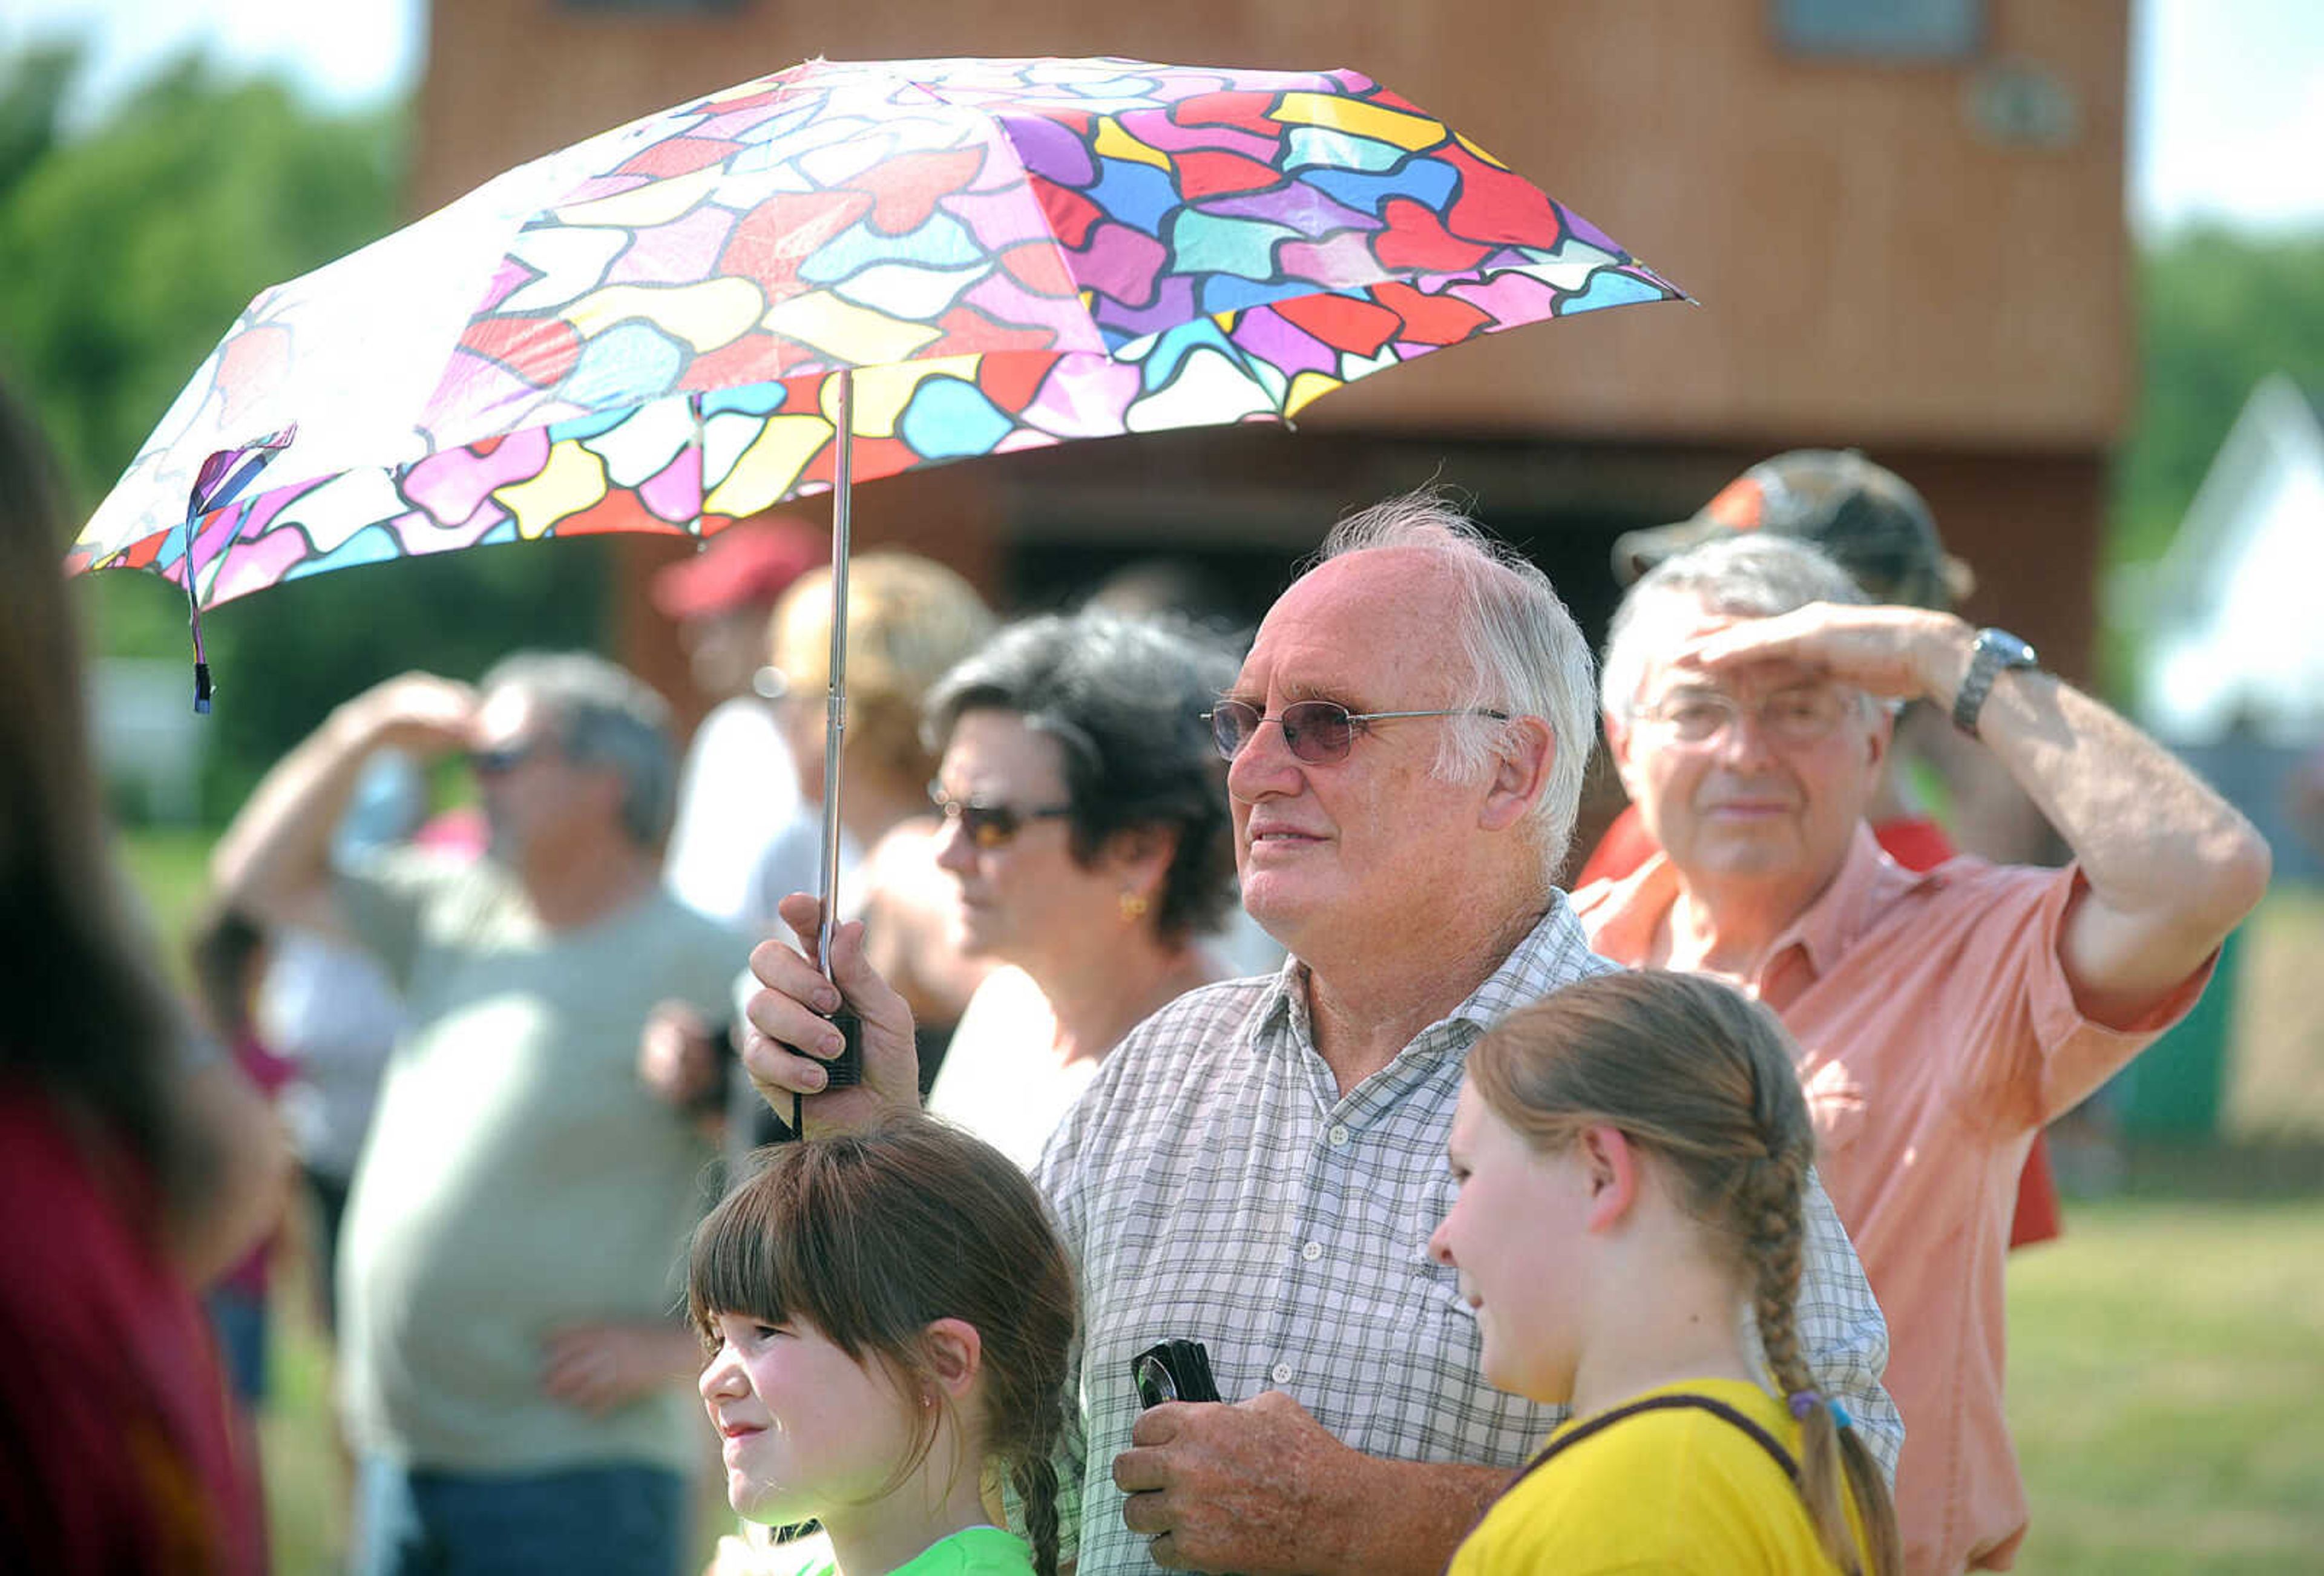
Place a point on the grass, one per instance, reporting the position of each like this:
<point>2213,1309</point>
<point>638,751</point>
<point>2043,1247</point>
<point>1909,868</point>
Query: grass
<point>2166,1363</point>
<point>169,867</point>
<point>2166,1360</point>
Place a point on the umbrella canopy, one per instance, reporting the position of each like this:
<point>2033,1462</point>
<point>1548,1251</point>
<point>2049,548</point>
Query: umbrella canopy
<point>643,332</point>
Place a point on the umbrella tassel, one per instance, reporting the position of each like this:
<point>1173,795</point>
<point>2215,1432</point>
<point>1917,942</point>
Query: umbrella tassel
<point>202,686</point>
<point>220,481</point>
<point>201,663</point>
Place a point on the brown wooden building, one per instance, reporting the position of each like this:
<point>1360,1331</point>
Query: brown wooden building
<point>1904,220</point>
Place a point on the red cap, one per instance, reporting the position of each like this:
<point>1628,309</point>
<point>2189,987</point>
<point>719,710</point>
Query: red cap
<point>747,565</point>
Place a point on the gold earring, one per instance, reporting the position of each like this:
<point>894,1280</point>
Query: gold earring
<point>1133,907</point>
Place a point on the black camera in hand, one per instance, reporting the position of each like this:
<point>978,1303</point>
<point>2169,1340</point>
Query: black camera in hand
<point>1173,1370</point>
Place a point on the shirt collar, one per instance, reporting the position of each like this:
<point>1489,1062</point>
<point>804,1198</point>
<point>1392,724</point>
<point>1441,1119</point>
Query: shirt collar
<point>1555,951</point>
<point>1868,881</point>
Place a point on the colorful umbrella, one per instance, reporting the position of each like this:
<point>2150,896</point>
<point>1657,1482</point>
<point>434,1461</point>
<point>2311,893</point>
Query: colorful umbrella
<point>841,270</point>
<point>641,332</point>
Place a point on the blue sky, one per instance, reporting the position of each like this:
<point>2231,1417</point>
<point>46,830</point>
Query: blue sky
<point>2227,98</point>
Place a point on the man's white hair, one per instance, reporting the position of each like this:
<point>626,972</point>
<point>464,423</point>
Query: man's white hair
<point>1753,576</point>
<point>1522,652</point>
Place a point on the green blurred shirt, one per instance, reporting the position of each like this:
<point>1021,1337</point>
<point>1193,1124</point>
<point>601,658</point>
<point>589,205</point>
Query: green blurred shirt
<point>518,1177</point>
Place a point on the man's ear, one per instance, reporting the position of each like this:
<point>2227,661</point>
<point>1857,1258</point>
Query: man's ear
<point>1522,760</point>
<point>955,1354</point>
<point>1882,736</point>
<point>1618,738</point>
<point>1611,1165</point>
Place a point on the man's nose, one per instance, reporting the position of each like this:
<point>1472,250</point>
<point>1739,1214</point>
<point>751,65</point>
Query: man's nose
<point>1745,736</point>
<point>1265,764</point>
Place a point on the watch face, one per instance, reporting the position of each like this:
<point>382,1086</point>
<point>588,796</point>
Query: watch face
<point>2012,651</point>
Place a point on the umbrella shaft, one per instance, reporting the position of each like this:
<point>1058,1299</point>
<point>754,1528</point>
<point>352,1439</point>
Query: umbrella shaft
<point>835,731</point>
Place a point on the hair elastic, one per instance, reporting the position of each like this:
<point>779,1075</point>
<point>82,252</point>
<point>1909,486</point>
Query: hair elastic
<point>1802,1403</point>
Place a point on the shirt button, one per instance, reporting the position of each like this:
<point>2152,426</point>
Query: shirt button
<point>1281,1373</point>
<point>1338,1135</point>
<point>1312,1252</point>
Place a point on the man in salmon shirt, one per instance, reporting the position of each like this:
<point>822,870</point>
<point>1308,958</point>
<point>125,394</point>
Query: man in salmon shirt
<point>1943,1016</point>
<point>1874,524</point>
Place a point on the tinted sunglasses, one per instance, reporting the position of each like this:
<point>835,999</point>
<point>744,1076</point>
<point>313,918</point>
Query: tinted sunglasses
<point>504,757</point>
<point>990,826</point>
<point>1317,731</point>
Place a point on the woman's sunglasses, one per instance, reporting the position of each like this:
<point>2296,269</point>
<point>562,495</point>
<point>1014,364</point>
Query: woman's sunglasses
<point>990,826</point>
<point>1317,731</point>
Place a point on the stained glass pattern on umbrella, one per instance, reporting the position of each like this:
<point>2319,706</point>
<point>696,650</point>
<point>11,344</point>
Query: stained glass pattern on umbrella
<point>637,333</point>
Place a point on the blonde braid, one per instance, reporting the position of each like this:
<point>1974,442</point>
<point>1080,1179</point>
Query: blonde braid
<point>1769,1199</point>
<point>1833,1459</point>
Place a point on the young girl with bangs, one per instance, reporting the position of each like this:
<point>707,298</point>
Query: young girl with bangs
<point>1631,1152</point>
<point>887,1314</point>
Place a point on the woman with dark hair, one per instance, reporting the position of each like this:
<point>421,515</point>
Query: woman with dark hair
<point>1087,834</point>
<point>127,1175</point>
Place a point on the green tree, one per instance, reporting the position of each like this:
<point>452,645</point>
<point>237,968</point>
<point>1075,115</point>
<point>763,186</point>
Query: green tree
<point>2218,311</point>
<point>129,250</point>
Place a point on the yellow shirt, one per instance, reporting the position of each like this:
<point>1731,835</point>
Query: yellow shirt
<point>1681,1489</point>
<point>1937,1032</point>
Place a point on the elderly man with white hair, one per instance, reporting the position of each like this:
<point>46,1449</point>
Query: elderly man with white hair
<point>1259,1165</point>
<point>1943,1016</point>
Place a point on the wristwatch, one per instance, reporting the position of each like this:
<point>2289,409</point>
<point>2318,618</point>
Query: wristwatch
<point>1995,653</point>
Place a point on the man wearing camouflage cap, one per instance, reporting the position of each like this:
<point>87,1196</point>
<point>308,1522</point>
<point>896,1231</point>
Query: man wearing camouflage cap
<point>1874,524</point>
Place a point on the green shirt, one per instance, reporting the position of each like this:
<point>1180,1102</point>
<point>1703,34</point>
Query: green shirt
<point>976,1551</point>
<point>518,1177</point>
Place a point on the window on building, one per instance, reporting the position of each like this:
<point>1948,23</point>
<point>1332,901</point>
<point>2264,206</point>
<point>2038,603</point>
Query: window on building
<point>1881,30</point>
<point>658,7</point>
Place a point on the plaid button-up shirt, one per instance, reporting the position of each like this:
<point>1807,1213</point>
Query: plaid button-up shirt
<point>1214,1184</point>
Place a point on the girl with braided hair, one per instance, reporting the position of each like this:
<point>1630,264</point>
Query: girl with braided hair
<point>886,1314</point>
<point>1630,1153</point>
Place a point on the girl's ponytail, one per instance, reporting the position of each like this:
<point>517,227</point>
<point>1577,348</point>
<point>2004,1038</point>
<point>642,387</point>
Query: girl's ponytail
<point>1035,1479</point>
<point>1832,1460</point>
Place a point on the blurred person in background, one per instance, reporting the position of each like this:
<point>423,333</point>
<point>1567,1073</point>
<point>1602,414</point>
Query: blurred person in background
<point>230,957</point>
<point>516,1176</point>
<point>327,1006</point>
<point>136,1162</point>
<point>909,619</point>
<point>1182,589</point>
<point>1874,525</point>
<point>1941,1016</point>
<point>1087,839</point>
<point>738,787</point>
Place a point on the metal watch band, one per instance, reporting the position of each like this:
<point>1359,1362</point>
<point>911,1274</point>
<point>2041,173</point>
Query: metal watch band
<point>1995,653</point>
